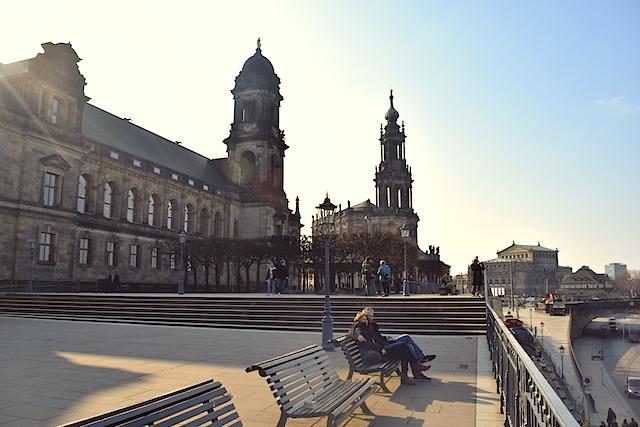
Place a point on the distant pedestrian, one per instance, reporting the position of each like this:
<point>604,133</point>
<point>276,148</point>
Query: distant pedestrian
<point>281,275</point>
<point>384,275</point>
<point>611,417</point>
<point>477,277</point>
<point>116,281</point>
<point>271,280</point>
<point>625,423</point>
<point>633,422</point>
<point>368,271</point>
<point>602,424</point>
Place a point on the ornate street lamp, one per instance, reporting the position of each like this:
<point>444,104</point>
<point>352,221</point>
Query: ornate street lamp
<point>562,360</point>
<point>326,213</point>
<point>542,334</point>
<point>404,232</point>
<point>32,249</point>
<point>183,241</point>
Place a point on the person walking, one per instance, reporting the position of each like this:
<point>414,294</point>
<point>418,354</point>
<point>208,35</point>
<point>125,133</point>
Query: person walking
<point>369,277</point>
<point>477,277</point>
<point>384,275</point>
<point>116,281</point>
<point>271,280</point>
<point>633,422</point>
<point>625,423</point>
<point>281,275</point>
<point>611,417</point>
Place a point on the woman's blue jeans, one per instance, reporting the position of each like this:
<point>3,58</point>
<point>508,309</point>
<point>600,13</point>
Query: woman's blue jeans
<point>413,347</point>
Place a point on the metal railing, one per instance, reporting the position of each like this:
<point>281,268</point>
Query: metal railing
<point>526,398</point>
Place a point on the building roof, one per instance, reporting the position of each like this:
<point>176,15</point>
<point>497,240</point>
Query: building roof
<point>585,274</point>
<point>364,205</point>
<point>124,136</point>
<point>536,248</point>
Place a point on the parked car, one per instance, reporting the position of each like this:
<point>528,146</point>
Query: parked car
<point>633,387</point>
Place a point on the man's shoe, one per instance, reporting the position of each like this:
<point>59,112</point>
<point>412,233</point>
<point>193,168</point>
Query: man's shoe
<point>422,377</point>
<point>407,381</point>
<point>428,358</point>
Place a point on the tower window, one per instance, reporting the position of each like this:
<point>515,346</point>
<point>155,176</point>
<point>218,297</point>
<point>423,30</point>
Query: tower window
<point>388,197</point>
<point>84,251</point>
<point>49,193</point>
<point>244,116</point>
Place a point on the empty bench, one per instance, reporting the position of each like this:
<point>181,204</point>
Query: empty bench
<point>206,403</point>
<point>306,385</point>
<point>354,357</point>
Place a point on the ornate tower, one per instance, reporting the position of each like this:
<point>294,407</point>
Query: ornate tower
<point>255,146</point>
<point>393,176</point>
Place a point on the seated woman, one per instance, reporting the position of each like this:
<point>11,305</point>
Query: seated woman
<point>413,347</point>
<point>374,350</point>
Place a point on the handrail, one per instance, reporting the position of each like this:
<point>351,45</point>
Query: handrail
<point>534,391</point>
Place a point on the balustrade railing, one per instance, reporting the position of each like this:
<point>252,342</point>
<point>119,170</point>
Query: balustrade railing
<point>526,398</point>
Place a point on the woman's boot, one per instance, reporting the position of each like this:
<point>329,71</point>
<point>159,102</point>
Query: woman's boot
<point>406,380</point>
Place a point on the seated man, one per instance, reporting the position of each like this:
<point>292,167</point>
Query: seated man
<point>416,350</point>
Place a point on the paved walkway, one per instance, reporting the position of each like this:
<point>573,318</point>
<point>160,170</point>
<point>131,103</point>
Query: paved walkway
<point>55,371</point>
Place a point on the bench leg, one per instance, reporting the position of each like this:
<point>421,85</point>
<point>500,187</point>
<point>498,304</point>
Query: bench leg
<point>350,374</point>
<point>365,409</point>
<point>382,384</point>
<point>331,421</point>
<point>283,420</point>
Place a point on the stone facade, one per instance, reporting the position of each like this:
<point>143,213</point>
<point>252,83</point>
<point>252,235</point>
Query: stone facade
<point>585,284</point>
<point>84,193</point>
<point>532,268</point>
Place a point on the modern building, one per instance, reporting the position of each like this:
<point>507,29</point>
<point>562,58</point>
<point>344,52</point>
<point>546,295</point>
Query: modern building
<point>585,284</point>
<point>85,192</point>
<point>532,269</point>
<point>615,270</point>
<point>393,207</point>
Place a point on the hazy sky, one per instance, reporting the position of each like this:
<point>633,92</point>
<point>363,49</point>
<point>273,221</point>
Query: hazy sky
<point>523,118</point>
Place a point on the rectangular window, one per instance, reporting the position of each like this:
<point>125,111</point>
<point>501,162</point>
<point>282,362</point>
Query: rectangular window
<point>154,258</point>
<point>112,258</point>
<point>49,192</point>
<point>172,261</point>
<point>133,255</point>
<point>85,245</point>
<point>137,163</point>
<point>45,254</point>
<point>55,106</point>
<point>205,187</point>
<point>114,155</point>
<point>191,182</point>
<point>156,170</point>
<point>174,176</point>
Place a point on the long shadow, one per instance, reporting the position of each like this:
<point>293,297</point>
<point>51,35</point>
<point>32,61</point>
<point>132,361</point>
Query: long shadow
<point>39,356</point>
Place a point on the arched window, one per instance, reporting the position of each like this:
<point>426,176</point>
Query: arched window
<point>170,208</point>
<point>248,167</point>
<point>217,225</point>
<point>108,200</point>
<point>81,204</point>
<point>151,217</point>
<point>188,218</point>
<point>388,197</point>
<point>204,222</point>
<point>400,197</point>
<point>131,205</point>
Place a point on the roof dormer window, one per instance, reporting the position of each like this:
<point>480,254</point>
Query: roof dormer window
<point>191,182</point>
<point>175,176</point>
<point>114,155</point>
<point>137,163</point>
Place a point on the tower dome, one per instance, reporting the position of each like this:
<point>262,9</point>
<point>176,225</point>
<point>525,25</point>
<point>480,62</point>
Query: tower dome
<point>257,73</point>
<point>392,114</point>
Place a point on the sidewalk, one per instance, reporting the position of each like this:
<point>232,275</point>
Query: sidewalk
<point>53,372</point>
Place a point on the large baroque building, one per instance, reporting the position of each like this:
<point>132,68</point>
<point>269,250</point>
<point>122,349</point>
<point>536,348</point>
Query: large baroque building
<point>532,269</point>
<point>393,207</point>
<point>84,192</point>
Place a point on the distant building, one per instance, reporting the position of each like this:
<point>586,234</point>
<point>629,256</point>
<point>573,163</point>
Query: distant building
<point>533,269</point>
<point>615,270</point>
<point>584,284</point>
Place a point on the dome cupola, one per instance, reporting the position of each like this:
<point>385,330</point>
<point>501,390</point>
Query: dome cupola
<point>257,73</point>
<point>392,114</point>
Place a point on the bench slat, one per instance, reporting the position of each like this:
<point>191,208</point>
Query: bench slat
<point>315,386</point>
<point>331,398</point>
<point>282,367</point>
<point>303,365</point>
<point>180,406</point>
<point>206,407</point>
<point>288,386</point>
<point>267,364</point>
<point>213,416</point>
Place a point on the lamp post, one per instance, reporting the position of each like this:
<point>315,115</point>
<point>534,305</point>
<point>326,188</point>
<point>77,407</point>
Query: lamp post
<point>404,232</point>
<point>562,361</point>
<point>542,334</point>
<point>183,240</point>
<point>326,217</point>
<point>32,249</point>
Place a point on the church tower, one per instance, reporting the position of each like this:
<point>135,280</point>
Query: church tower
<point>255,146</point>
<point>393,176</point>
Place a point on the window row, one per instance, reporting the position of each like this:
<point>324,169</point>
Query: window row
<point>134,204</point>
<point>86,253</point>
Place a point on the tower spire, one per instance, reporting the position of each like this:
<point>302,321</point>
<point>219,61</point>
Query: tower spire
<point>258,44</point>
<point>390,96</point>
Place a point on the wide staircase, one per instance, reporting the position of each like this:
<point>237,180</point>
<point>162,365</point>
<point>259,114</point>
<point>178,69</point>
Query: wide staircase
<point>433,315</point>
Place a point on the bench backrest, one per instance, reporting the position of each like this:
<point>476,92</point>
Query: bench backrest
<point>298,376</point>
<point>351,351</point>
<point>204,403</point>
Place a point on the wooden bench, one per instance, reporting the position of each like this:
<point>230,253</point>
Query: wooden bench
<point>354,357</point>
<point>206,403</point>
<point>306,385</point>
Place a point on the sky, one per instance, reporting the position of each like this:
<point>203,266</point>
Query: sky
<point>522,118</point>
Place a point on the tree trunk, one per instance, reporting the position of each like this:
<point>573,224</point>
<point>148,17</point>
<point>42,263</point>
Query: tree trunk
<point>206,276</point>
